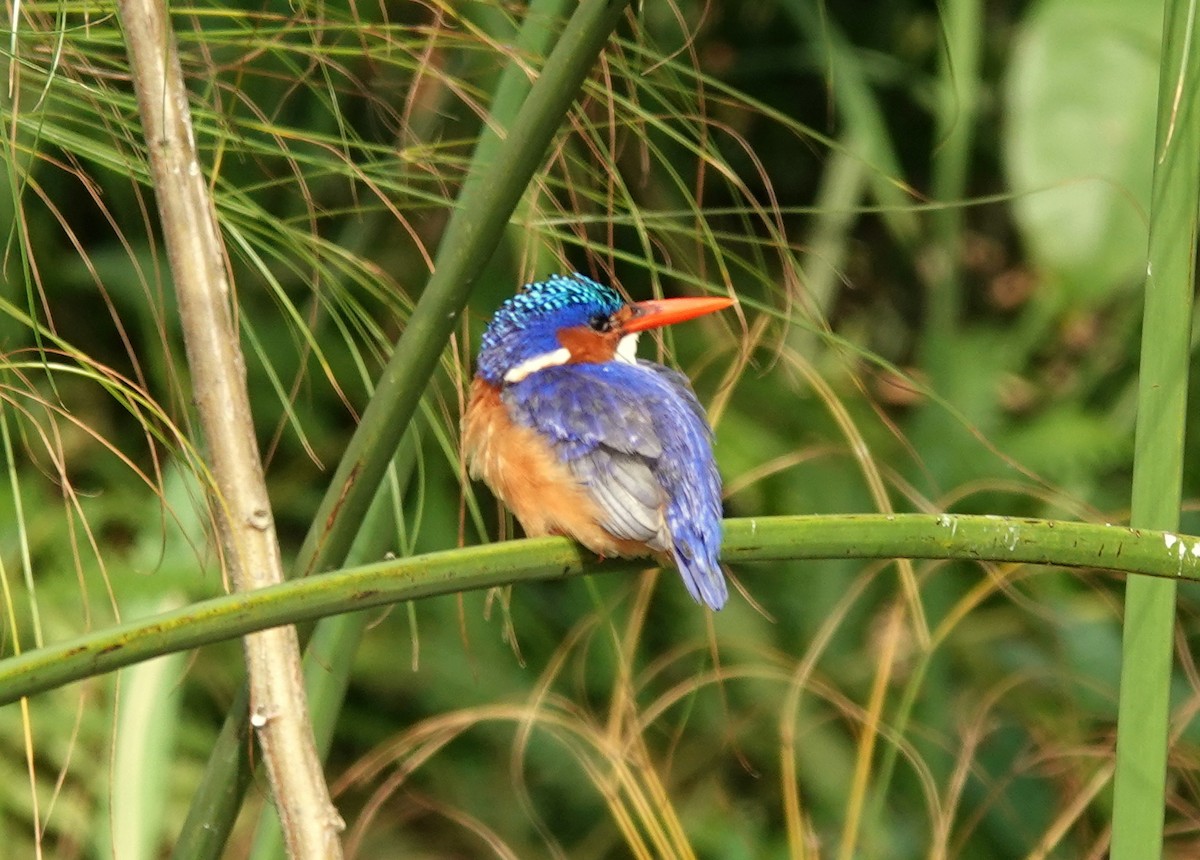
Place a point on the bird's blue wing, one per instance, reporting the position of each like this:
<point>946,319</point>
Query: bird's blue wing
<point>629,494</point>
<point>636,437</point>
<point>690,470</point>
<point>608,440</point>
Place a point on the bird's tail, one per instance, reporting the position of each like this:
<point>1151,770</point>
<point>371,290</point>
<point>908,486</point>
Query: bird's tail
<point>704,579</point>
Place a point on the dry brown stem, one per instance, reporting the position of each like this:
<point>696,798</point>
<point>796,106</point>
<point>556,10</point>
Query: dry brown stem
<point>279,710</point>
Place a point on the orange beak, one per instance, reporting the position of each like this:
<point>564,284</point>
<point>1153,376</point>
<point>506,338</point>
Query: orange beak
<point>660,312</point>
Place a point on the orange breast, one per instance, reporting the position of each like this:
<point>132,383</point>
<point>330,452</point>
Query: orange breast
<point>523,472</point>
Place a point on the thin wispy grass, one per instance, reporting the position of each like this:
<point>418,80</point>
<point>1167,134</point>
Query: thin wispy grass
<point>806,719</point>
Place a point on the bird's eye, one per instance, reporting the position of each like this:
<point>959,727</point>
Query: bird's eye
<point>600,323</point>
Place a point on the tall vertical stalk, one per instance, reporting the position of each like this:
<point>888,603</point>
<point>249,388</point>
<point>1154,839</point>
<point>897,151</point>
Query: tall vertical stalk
<point>1142,729</point>
<point>310,823</point>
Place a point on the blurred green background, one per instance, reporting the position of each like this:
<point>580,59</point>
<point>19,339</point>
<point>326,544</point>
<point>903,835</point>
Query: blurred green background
<point>934,217</point>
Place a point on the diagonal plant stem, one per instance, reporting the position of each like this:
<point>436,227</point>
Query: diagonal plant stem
<point>1142,718</point>
<point>277,699</point>
<point>329,653</point>
<point>490,193</point>
<point>505,161</point>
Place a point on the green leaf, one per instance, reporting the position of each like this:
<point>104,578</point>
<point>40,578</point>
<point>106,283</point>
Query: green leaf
<point>1080,139</point>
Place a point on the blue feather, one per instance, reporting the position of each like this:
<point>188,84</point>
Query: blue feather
<point>598,415</point>
<point>527,324</point>
<point>633,434</point>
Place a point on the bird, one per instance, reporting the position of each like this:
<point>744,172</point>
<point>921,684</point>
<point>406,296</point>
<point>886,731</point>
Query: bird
<point>579,437</point>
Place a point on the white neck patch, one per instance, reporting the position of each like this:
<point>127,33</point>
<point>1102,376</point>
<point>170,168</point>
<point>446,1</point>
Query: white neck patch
<point>539,362</point>
<point>627,348</point>
<point>626,352</point>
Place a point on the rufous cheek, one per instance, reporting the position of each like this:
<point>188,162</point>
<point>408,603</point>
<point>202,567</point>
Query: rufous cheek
<point>589,346</point>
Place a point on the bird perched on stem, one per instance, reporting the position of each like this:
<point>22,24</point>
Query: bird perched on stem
<point>579,437</point>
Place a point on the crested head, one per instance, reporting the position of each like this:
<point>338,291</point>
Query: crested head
<point>571,319</point>
<point>527,332</point>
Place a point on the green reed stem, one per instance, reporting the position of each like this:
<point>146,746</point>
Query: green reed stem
<point>1142,727</point>
<point>943,536</point>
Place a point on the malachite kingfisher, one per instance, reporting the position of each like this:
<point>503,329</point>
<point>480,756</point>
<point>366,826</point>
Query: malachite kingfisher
<point>579,437</point>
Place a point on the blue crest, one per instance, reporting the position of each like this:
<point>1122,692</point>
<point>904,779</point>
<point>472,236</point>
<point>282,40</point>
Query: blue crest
<point>527,325</point>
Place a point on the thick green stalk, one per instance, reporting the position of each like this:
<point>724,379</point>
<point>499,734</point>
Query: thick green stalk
<point>329,655</point>
<point>1142,726</point>
<point>218,796</point>
<point>491,192</point>
<point>943,536</point>
<point>499,173</point>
